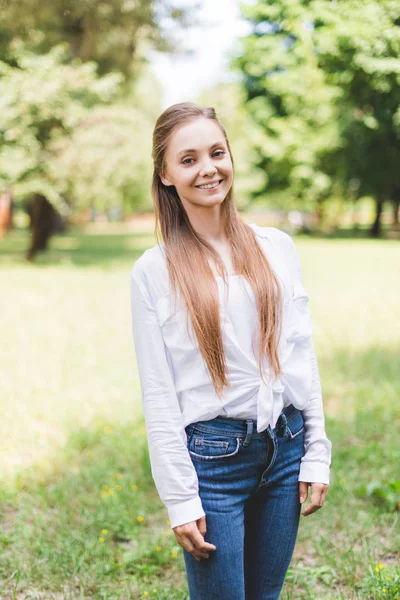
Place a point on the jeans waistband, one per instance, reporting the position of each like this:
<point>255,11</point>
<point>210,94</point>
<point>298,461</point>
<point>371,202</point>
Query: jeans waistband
<point>247,427</point>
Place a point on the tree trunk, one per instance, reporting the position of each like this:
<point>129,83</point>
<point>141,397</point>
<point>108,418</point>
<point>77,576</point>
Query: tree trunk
<point>396,206</point>
<point>376,229</point>
<point>42,216</point>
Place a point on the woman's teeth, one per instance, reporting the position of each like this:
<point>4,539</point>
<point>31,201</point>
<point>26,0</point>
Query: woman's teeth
<point>208,186</point>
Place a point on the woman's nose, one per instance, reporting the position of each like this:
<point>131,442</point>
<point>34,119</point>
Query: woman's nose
<point>208,167</point>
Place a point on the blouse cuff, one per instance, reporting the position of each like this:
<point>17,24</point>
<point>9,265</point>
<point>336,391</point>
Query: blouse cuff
<point>184,512</point>
<point>314,472</point>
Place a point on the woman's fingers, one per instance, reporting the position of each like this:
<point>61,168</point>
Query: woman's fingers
<point>318,494</point>
<point>197,539</point>
<point>191,539</point>
<point>303,491</point>
<point>196,552</point>
<point>201,547</point>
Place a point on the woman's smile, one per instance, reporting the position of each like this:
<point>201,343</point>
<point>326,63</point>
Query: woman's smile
<point>210,186</point>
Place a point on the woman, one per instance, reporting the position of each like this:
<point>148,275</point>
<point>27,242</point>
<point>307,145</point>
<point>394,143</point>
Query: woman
<point>230,384</point>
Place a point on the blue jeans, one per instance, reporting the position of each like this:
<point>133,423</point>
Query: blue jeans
<point>248,485</point>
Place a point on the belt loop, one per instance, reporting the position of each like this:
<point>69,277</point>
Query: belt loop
<point>249,432</point>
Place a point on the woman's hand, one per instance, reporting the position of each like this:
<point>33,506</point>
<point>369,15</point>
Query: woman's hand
<point>191,537</point>
<point>318,495</point>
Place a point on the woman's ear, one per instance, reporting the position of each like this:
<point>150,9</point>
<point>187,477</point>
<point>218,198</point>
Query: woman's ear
<point>165,179</point>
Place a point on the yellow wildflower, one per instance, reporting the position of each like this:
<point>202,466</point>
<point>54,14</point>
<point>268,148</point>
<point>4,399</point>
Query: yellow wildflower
<point>168,522</point>
<point>174,554</point>
<point>145,593</point>
<point>118,487</point>
<point>140,519</point>
<point>110,492</point>
<point>158,548</point>
<point>101,540</point>
<point>380,565</point>
<point>104,531</point>
<point>107,429</point>
<point>134,487</point>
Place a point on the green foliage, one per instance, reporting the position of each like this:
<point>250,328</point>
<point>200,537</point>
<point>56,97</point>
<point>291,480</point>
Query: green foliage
<point>43,100</point>
<point>290,100</point>
<point>106,162</point>
<point>382,581</point>
<point>322,83</point>
<point>384,493</point>
<point>360,53</point>
<point>65,133</point>
<point>114,34</point>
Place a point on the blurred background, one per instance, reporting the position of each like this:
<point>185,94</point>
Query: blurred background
<point>309,93</point>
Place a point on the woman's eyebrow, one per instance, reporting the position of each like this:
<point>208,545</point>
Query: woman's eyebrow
<point>194,149</point>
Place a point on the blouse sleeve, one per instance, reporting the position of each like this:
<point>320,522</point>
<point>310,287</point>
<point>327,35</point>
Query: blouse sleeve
<point>172,469</point>
<point>315,464</point>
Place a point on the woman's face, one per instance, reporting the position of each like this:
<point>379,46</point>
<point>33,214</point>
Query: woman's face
<point>197,155</point>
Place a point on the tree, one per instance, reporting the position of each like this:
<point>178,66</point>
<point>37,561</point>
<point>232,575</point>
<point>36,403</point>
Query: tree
<point>110,33</point>
<point>322,81</point>
<point>358,48</point>
<point>43,100</point>
<point>289,98</point>
<point>106,162</point>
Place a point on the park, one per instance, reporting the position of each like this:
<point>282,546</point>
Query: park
<point>313,121</point>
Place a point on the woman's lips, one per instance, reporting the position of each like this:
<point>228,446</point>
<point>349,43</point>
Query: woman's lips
<point>209,189</point>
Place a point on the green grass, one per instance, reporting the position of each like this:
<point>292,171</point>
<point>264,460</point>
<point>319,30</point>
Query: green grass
<point>74,466</point>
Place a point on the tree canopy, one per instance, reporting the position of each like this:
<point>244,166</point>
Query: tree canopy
<point>322,80</point>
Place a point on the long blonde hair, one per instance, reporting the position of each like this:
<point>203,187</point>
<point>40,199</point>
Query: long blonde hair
<point>184,248</point>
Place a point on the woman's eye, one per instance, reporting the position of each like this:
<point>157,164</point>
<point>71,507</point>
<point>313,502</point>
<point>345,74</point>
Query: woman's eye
<point>218,153</point>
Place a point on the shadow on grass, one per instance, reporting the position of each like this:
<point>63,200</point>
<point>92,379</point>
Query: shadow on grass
<point>103,248</point>
<point>358,233</point>
<point>77,248</point>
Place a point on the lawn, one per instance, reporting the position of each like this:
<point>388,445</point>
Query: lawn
<point>79,514</point>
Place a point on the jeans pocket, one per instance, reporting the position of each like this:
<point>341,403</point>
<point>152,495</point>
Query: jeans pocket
<point>295,426</point>
<point>212,446</point>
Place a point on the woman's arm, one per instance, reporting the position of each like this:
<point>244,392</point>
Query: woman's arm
<point>315,464</point>
<point>172,469</point>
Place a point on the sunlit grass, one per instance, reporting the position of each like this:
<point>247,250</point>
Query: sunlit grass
<point>73,455</point>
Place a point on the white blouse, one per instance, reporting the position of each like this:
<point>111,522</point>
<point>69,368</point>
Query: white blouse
<point>176,386</point>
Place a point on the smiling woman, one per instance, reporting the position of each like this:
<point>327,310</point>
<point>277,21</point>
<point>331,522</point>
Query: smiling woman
<point>208,168</point>
<point>230,383</point>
